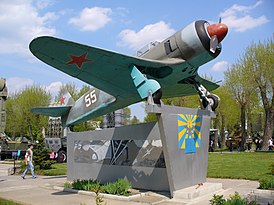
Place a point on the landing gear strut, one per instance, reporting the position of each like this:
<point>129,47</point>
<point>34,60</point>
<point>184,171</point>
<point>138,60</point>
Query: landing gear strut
<point>206,97</point>
<point>155,98</point>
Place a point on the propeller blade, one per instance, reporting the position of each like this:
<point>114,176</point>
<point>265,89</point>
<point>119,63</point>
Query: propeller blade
<point>220,20</point>
<point>213,43</point>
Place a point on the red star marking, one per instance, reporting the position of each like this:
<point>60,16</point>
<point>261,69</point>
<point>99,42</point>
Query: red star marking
<point>78,60</point>
<point>62,100</point>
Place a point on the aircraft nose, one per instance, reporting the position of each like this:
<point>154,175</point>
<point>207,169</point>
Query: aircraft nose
<point>218,29</point>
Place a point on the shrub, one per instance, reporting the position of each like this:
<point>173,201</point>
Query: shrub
<point>217,200</point>
<point>267,183</point>
<point>92,186</point>
<point>120,187</point>
<point>41,154</point>
<point>68,185</point>
<point>234,199</point>
<point>87,185</point>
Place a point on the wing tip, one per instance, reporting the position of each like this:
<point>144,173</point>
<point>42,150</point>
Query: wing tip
<point>35,43</point>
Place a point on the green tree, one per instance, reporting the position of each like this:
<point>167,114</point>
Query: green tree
<point>41,154</point>
<point>227,113</point>
<point>151,117</point>
<point>239,83</point>
<point>127,115</point>
<point>71,88</point>
<point>186,101</point>
<point>259,63</point>
<point>14,119</point>
<point>82,91</point>
<point>20,120</point>
<point>134,120</point>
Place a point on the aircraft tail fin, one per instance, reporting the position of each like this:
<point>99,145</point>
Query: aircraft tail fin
<point>57,109</point>
<point>65,99</point>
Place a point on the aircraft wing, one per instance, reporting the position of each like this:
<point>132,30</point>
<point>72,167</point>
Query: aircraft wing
<point>111,72</point>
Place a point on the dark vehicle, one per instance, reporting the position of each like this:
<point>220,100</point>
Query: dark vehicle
<point>234,139</point>
<point>55,139</point>
<point>8,147</point>
<point>59,147</point>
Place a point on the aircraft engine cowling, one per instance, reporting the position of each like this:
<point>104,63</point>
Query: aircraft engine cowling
<point>194,41</point>
<point>198,43</point>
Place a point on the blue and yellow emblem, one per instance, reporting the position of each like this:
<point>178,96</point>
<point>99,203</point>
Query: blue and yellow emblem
<point>189,132</point>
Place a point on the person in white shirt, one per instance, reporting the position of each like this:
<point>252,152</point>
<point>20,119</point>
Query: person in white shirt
<point>28,159</point>
<point>270,144</point>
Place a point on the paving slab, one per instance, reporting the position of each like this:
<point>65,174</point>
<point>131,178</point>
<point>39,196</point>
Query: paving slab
<point>41,191</point>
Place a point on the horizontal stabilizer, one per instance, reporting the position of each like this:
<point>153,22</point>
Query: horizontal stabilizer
<point>51,111</point>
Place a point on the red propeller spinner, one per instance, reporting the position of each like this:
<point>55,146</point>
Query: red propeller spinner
<point>219,29</point>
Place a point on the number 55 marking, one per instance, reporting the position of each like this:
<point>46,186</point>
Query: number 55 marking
<point>90,98</point>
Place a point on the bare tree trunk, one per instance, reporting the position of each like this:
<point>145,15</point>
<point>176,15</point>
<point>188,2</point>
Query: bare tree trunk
<point>30,131</point>
<point>243,130</point>
<point>222,132</point>
<point>249,123</point>
<point>215,126</point>
<point>268,128</point>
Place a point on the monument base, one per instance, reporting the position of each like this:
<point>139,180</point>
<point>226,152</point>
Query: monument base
<point>167,155</point>
<point>194,192</point>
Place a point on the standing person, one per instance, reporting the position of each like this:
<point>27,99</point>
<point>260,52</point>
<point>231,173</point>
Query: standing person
<point>270,144</point>
<point>239,145</point>
<point>211,144</point>
<point>260,144</point>
<point>257,144</point>
<point>249,143</point>
<point>230,145</point>
<point>28,159</point>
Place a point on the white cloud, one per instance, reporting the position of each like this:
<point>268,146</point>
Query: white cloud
<point>237,17</point>
<point>92,19</point>
<point>54,88</point>
<point>16,84</point>
<point>41,4</point>
<point>20,22</point>
<point>220,66</point>
<point>152,32</point>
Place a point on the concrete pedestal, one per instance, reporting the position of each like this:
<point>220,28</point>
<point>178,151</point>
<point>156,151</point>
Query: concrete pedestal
<point>167,155</point>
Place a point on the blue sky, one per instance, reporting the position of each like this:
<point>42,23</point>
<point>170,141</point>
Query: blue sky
<point>119,25</point>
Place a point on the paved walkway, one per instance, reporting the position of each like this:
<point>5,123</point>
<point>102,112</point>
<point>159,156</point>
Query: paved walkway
<point>42,191</point>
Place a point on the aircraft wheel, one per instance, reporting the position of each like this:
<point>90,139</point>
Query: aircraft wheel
<point>157,96</point>
<point>62,156</point>
<point>213,101</point>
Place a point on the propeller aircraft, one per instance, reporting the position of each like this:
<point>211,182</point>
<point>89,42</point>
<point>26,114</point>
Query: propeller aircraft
<point>167,69</point>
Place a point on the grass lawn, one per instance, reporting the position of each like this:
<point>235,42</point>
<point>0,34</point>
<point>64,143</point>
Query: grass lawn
<point>57,170</point>
<point>8,202</point>
<point>243,165</point>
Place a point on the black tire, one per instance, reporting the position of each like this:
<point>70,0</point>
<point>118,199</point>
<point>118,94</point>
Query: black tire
<point>62,156</point>
<point>204,103</point>
<point>3,157</point>
<point>213,101</point>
